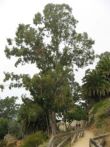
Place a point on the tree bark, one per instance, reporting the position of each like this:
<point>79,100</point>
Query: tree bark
<point>53,125</point>
<point>48,127</point>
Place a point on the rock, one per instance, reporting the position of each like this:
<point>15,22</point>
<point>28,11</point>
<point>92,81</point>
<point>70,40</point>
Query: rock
<point>10,140</point>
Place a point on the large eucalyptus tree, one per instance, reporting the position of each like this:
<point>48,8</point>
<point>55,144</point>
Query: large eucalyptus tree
<point>53,44</point>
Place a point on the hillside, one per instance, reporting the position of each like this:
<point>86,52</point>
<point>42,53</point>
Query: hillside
<point>100,117</point>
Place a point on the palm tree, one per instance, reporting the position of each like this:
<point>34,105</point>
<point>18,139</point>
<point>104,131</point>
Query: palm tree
<point>104,64</point>
<point>95,85</point>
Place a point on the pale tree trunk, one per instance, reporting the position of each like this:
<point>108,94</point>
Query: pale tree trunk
<point>53,125</point>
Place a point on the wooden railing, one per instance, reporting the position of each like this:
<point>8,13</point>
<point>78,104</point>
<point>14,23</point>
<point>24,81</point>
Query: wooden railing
<point>61,139</point>
<point>98,141</point>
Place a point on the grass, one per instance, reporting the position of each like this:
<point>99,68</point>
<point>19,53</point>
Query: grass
<point>101,106</point>
<point>101,113</point>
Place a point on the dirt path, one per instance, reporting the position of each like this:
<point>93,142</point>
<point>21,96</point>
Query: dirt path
<point>84,141</point>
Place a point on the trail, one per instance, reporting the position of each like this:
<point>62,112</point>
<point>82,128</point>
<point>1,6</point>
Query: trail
<point>84,141</point>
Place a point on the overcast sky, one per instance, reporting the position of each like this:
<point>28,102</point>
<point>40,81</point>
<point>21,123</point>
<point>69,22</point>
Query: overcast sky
<point>93,17</point>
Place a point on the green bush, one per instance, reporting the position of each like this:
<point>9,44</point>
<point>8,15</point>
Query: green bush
<point>15,129</point>
<point>3,127</point>
<point>34,139</point>
<point>77,113</point>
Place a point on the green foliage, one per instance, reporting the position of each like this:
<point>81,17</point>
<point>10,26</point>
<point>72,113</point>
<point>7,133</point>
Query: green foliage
<point>76,92</point>
<point>32,110</point>
<point>8,115</point>
<point>104,64</point>
<point>65,46</point>
<point>3,127</point>
<point>77,113</point>
<point>32,117</point>
<point>54,46</point>
<point>34,140</point>
<point>101,115</point>
<point>101,107</point>
<point>10,126</point>
<point>96,83</point>
<point>14,128</point>
<point>8,108</point>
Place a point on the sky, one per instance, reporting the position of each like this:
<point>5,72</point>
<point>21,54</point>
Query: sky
<point>93,17</point>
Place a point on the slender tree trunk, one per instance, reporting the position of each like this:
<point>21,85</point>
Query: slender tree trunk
<point>53,125</point>
<point>48,127</point>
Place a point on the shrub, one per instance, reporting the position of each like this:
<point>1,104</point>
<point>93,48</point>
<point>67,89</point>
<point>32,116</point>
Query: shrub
<point>14,128</point>
<point>3,127</point>
<point>77,113</point>
<point>34,139</point>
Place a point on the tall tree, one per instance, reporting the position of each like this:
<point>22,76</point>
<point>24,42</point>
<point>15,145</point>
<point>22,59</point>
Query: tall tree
<point>53,44</point>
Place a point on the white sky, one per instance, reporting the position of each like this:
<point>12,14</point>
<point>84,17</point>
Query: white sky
<point>93,17</point>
